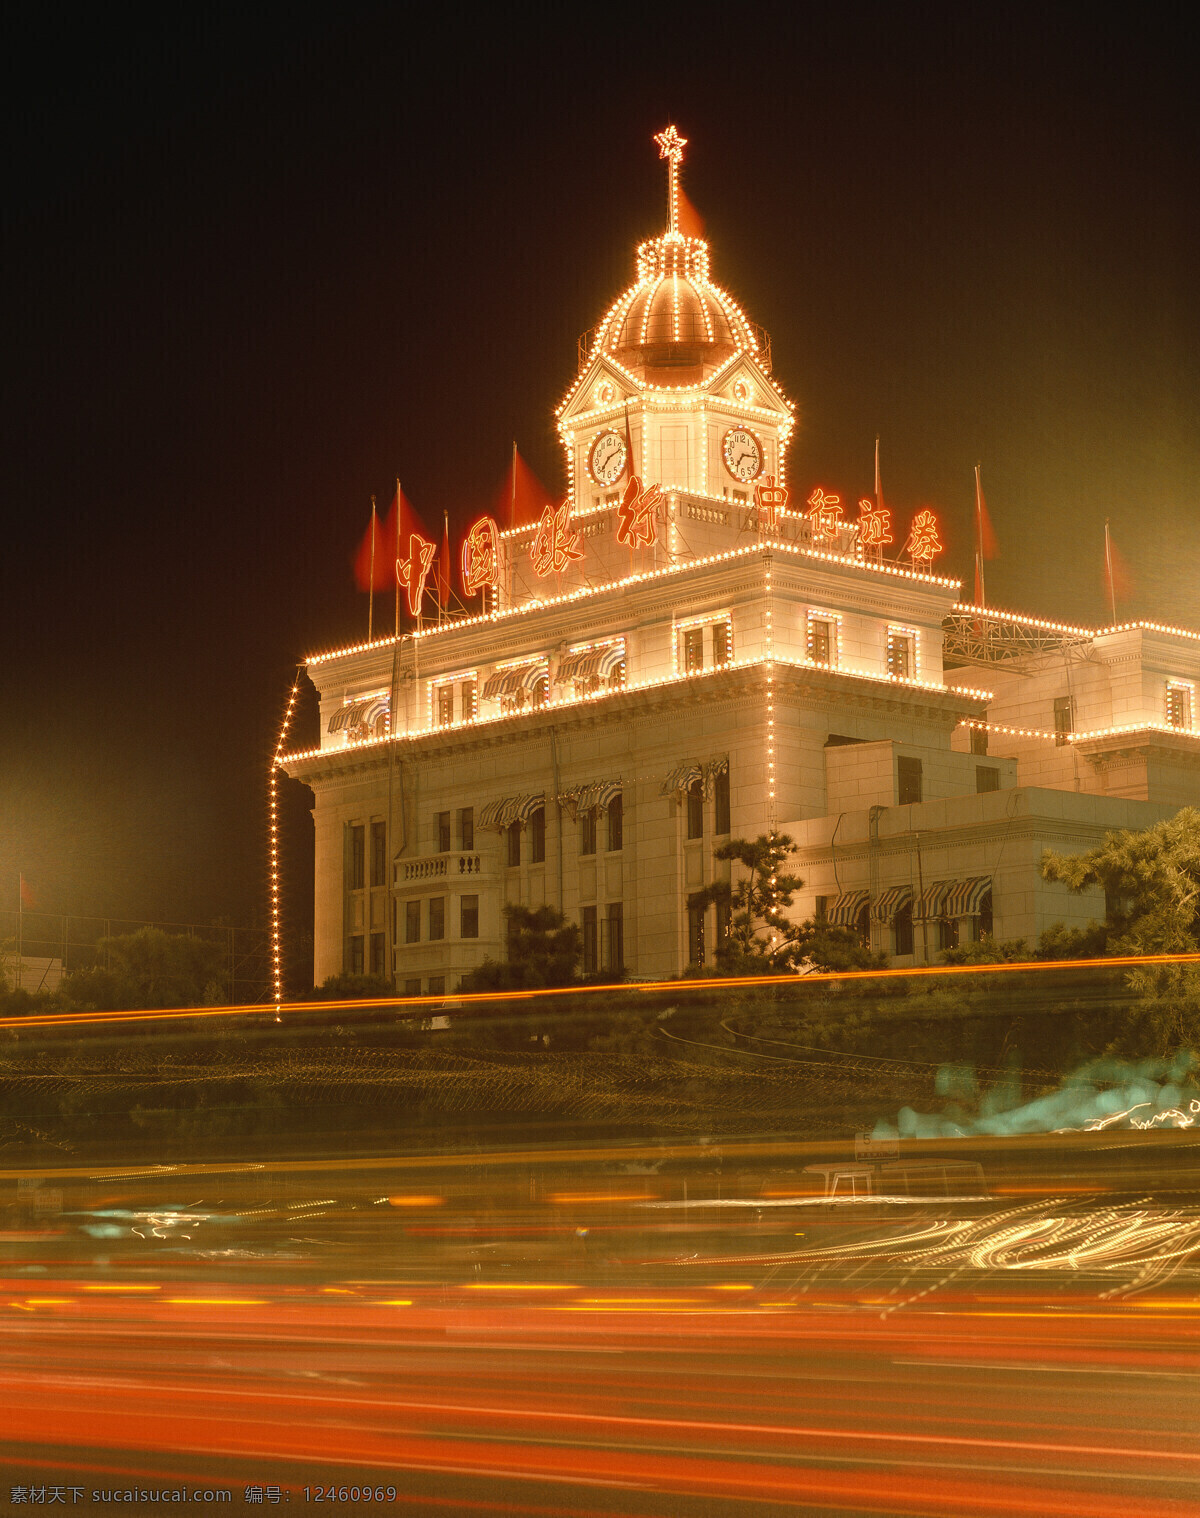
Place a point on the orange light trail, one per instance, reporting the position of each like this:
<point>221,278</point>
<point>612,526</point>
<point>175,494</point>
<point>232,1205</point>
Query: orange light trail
<point>456,1002</point>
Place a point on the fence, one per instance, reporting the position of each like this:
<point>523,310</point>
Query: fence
<point>37,948</point>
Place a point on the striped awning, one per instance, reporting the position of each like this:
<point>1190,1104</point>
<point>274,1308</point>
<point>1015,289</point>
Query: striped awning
<point>583,663</point>
<point>885,907</point>
<point>509,809</point>
<point>506,682</point>
<point>369,714</point>
<point>582,798</point>
<point>966,896</point>
<point>717,767</point>
<point>844,909</point>
<point>681,778</point>
<point>932,904</point>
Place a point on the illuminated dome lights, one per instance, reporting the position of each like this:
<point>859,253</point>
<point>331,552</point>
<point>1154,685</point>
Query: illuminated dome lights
<point>674,325</point>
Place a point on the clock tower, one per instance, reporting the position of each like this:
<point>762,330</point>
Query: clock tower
<point>678,374</point>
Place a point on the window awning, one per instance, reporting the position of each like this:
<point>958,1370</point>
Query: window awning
<point>506,682</point>
<point>583,663</point>
<point>718,767</point>
<point>370,714</point>
<point>966,896</point>
<point>844,910</point>
<point>893,900</point>
<point>932,904</point>
<point>681,778</point>
<point>509,809</point>
<point>583,798</point>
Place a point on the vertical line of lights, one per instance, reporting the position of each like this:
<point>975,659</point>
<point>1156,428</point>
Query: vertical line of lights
<point>770,652</point>
<point>273,802</point>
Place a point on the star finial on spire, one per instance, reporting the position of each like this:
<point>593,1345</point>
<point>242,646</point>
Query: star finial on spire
<point>670,147</point>
<point>670,144</point>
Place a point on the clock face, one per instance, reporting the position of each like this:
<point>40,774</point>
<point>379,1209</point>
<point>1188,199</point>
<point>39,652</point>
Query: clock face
<point>606,462</point>
<point>743,454</point>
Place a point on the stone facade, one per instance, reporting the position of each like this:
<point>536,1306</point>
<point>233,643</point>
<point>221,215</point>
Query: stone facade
<point>591,735</point>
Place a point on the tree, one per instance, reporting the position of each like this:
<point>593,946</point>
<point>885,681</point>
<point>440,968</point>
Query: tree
<point>759,930</point>
<point>151,968</point>
<point>543,950</point>
<point>1151,882</point>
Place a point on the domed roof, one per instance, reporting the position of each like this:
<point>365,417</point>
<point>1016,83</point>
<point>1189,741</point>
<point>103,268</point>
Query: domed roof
<point>674,326</point>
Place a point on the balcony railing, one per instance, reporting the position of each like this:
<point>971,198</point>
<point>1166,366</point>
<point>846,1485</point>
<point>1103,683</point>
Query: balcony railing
<point>439,867</point>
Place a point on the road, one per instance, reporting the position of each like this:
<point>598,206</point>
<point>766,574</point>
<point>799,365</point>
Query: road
<point>643,1362</point>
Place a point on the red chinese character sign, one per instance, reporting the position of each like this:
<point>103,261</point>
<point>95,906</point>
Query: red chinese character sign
<point>874,525</point>
<point>414,571</point>
<point>770,499</point>
<point>923,541</point>
<point>554,543</point>
<point>481,557</point>
<point>636,524</point>
<point>825,513</point>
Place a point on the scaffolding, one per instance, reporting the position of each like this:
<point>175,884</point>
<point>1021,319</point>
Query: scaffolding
<point>979,637</point>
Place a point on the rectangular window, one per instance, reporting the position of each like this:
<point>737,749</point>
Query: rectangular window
<point>356,954</point>
<point>693,649</point>
<point>821,909</point>
<point>443,832</point>
<point>357,860</point>
<point>695,932</point>
<point>1064,719</point>
<point>590,956</point>
<point>820,640</point>
<point>378,953</point>
<point>721,801</point>
<point>987,778</point>
<point>467,707</point>
<point>908,780</point>
<point>902,928</point>
<point>616,824</point>
<point>587,838</point>
<point>513,836</point>
<point>720,643</point>
<point>412,987</point>
<point>379,853</point>
<point>537,836</point>
<point>466,828</point>
<point>437,917</point>
<point>614,957</point>
<point>468,917</point>
<point>986,921</point>
<point>948,933</point>
<point>1179,705</point>
<point>445,705</point>
<point>695,809</point>
<point>412,922</point>
<point>901,660</point>
<point>979,740</point>
<point>437,985</point>
<point>723,915</point>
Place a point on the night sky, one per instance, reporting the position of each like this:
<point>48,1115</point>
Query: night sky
<point>256,268</point>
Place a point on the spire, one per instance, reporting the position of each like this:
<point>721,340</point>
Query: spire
<point>670,147</point>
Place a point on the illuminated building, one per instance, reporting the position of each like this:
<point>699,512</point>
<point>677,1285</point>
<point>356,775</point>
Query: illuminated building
<point>673,655</point>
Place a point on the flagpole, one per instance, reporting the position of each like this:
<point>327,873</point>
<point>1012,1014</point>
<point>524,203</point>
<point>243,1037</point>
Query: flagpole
<point>1112,584</point>
<point>979,536</point>
<point>512,500</point>
<point>399,514</point>
<point>878,494</point>
<point>20,932</point>
<point>371,598</point>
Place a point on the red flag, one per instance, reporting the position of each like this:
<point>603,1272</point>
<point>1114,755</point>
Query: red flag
<point>402,522</point>
<point>985,537</point>
<point>373,561</point>
<point>691,223</point>
<point>27,897</point>
<point>443,569</point>
<point>1118,582</point>
<point>521,498</point>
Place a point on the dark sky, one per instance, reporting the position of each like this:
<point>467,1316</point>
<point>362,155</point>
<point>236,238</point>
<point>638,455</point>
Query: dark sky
<point>257,267</point>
